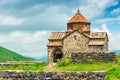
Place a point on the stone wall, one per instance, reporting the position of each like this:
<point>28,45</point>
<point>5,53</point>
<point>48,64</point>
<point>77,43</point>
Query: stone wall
<point>93,57</point>
<point>76,42</point>
<point>15,64</point>
<point>29,75</point>
<point>84,27</point>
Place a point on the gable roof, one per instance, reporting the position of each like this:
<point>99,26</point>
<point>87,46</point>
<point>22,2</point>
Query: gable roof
<point>62,35</point>
<point>56,35</point>
<point>98,35</point>
<point>78,17</point>
<point>73,32</point>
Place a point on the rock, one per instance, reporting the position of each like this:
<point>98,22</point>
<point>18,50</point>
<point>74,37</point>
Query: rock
<point>90,73</point>
<point>42,75</point>
<point>33,75</point>
<point>100,74</point>
<point>55,76</point>
<point>2,74</point>
<point>79,74</point>
<point>89,78</point>
<point>76,78</point>
<point>74,73</point>
<point>84,74</point>
<point>49,78</point>
<point>61,77</point>
<point>48,74</point>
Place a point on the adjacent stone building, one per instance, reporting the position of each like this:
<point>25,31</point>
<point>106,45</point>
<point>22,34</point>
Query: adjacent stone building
<point>77,38</point>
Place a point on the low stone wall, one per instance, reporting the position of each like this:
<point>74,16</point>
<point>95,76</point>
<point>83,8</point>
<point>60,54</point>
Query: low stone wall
<point>15,64</point>
<point>93,57</point>
<point>29,75</point>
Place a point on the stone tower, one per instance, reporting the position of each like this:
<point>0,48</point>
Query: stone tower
<point>79,22</point>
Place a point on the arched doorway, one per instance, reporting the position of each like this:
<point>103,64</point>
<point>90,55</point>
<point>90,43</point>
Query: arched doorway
<point>57,55</point>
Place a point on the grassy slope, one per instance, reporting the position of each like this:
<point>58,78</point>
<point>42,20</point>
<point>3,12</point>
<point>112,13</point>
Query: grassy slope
<point>7,55</point>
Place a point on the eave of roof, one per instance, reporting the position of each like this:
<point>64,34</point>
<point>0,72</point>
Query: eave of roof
<point>54,43</point>
<point>96,42</point>
<point>56,35</point>
<point>98,35</point>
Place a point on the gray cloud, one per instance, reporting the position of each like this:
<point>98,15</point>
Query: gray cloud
<point>32,44</point>
<point>48,14</point>
<point>26,24</point>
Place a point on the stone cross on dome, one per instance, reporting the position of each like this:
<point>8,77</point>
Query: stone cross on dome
<point>78,11</point>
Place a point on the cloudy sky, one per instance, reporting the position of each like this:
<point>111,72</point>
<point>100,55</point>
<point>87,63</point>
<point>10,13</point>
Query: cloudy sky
<point>26,24</point>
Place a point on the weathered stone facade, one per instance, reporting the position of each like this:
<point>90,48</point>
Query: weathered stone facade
<point>93,57</point>
<point>30,75</point>
<point>77,38</point>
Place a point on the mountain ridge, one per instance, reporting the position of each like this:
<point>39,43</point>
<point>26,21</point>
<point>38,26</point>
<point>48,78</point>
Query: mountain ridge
<point>8,55</point>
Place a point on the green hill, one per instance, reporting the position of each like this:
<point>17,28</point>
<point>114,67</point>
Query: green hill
<point>8,55</point>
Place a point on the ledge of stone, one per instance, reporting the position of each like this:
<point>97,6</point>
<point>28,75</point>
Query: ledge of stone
<point>93,57</point>
<point>30,75</point>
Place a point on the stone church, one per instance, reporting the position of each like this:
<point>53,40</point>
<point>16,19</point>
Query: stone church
<point>77,38</point>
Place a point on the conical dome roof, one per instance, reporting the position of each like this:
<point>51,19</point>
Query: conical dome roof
<point>78,17</point>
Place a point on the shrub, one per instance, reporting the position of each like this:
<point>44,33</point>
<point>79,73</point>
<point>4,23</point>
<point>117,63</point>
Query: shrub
<point>113,74</point>
<point>64,62</point>
<point>39,64</point>
<point>118,59</point>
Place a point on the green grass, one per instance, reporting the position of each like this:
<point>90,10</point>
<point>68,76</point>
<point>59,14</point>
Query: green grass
<point>113,73</point>
<point>67,65</point>
<point>8,55</point>
<point>112,68</point>
<point>36,66</point>
<point>86,67</point>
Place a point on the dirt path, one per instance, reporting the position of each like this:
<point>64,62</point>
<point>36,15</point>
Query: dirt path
<point>50,68</point>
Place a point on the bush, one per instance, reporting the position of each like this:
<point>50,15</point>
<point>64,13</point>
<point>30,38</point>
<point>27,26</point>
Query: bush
<point>113,74</point>
<point>64,62</point>
<point>39,64</point>
<point>118,59</point>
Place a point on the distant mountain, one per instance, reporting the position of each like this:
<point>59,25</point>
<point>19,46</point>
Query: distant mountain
<point>8,55</point>
<point>117,52</point>
<point>43,59</point>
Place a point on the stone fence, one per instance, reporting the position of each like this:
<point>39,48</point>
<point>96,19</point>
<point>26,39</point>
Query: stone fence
<point>30,75</point>
<point>15,64</point>
<point>93,57</point>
